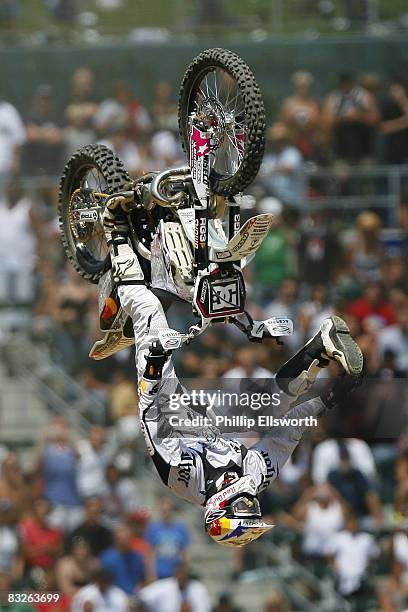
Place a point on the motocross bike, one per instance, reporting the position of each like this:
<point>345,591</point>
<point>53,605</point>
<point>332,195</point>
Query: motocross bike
<point>185,223</point>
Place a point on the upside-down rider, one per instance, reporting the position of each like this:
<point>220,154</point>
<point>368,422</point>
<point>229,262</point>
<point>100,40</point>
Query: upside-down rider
<point>223,476</point>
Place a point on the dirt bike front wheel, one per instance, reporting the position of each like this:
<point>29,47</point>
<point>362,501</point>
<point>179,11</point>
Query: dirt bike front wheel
<point>221,90</point>
<point>91,174</point>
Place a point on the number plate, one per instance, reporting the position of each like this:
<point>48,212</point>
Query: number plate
<point>219,298</point>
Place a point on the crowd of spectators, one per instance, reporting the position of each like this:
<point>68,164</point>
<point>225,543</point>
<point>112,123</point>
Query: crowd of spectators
<point>76,522</point>
<point>65,528</point>
<point>65,17</point>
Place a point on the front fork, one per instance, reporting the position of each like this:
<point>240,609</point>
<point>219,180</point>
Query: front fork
<point>234,218</point>
<point>200,146</point>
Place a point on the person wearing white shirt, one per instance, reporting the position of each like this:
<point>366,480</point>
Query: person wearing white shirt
<point>400,546</point>
<point>169,594</point>
<point>92,463</point>
<point>9,540</point>
<point>12,136</point>
<point>281,170</point>
<point>395,338</point>
<point>321,514</point>
<point>100,596</point>
<point>326,457</point>
<point>18,226</point>
<point>286,304</point>
<point>125,148</point>
<point>351,552</point>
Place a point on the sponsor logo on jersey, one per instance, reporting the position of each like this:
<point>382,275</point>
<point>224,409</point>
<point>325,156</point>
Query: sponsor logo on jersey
<point>272,471</point>
<point>185,466</point>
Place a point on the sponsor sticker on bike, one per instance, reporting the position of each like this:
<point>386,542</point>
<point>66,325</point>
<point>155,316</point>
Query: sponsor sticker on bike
<point>275,326</point>
<point>237,223</point>
<point>220,297</point>
<point>240,141</point>
<point>224,296</point>
<point>87,216</point>
<point>170,339</point>
<point>199,161</point>
<point>279,327</point>
<point>187,218</point>
<point>247,240</point>
<point>222,254</point>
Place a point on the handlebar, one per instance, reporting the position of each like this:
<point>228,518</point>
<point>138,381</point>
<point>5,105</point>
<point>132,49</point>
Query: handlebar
<point>162,179</point>
<point>150,190</point>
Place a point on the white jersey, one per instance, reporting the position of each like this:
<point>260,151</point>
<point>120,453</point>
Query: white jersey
<point>193,466</point>
<point>188,465</point>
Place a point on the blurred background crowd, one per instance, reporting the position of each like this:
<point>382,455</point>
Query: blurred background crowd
<point>81,512</point>
<point>36,21</point>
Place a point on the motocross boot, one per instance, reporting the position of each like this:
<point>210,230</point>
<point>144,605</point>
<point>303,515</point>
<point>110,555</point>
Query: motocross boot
<point>125,264</point>
<point>332,342</point>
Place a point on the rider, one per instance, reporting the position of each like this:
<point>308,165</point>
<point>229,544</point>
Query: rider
<point>222,475</point>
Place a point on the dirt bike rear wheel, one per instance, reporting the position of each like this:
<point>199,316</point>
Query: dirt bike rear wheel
<point>221,89</point>
<point>91,172</point>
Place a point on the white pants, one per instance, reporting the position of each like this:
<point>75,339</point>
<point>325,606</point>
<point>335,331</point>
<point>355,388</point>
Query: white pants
<point>148,317</point>
<point>184,463</point>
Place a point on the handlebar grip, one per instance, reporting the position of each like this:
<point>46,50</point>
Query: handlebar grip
<point>124,199</point>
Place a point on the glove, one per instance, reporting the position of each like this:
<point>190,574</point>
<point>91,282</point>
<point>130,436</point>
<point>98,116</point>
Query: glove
<point>114,224</point>
<point>155,361</point>
<point>114,218</point>
<point>343,387</point>
<point>121,199</point>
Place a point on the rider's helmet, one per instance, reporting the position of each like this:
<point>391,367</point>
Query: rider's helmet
<point>233,514</point>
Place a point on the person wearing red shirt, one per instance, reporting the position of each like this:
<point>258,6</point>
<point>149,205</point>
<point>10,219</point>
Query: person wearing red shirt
<point>41,544</point>
<point>373,304</point>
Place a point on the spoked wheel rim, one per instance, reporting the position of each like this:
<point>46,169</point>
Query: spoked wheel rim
<point>217,99</point>
<point>89,189</point>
